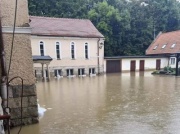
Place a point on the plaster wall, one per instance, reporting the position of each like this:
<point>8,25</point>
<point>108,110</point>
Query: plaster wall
<point>65,45</point>
<point>150,63</point>
<point>7,8</point>
<point>21,64</point>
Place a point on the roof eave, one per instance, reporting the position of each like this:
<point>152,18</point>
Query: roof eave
<point>35,34</point>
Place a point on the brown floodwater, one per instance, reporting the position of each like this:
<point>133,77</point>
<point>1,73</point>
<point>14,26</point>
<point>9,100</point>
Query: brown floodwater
<point>126,103</point>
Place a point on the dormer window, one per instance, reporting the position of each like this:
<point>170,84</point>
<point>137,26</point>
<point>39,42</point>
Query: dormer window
<point>164,46</point>
<point>173,45</point>
<point>155,47</point>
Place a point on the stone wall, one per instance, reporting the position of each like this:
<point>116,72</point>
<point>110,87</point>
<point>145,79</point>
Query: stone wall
<point>22,64</point>
<point>29,105</point>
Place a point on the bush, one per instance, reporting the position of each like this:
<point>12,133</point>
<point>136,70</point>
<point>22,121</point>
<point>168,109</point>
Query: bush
<point>155,72</point>
<point>168,69</point>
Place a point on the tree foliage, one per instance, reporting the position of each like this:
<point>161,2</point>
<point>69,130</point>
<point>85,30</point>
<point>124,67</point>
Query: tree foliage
<point>129,26</point>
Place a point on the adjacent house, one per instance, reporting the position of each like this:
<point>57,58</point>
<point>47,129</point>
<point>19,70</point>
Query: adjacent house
<point>163,51</point>
<point>66,47</point>
<point>167,45</point>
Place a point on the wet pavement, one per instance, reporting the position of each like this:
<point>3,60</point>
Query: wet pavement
<point>127,103</point>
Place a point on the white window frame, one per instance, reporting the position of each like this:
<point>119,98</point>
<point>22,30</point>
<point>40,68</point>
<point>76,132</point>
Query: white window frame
<point>59,50</point>
<point>43,48</point>
<point>69,72</point>
<point>155,47</point>
<point>57,72</point>
<point>172,61</point>
<point>92,71</point>
<point>164,46</point>
<point>81,71</point>
<point>173,45</point>
<point>73,43</point>
<point>88,51</point>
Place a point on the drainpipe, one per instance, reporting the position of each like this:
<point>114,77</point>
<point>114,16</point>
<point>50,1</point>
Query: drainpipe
<point>177,60</point>
<point>98,56</point>
<point>3,70</point>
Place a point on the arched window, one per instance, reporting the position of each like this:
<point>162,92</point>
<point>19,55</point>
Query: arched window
<point>86,51</point>
<point>41,46</point>
<point>58,50</point>
<point>73,50</point>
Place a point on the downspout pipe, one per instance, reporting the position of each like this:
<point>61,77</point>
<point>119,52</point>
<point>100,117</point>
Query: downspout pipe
<point>3,70</point>
<point>98,56</point>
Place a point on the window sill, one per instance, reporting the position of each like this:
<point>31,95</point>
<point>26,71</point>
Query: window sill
<point>71,76</point>
<point>92,75</point>
<point>83,75</point>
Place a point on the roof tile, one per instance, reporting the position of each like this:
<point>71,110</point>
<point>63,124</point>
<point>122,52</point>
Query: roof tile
<point>167,39</point>
<point>48,26</point>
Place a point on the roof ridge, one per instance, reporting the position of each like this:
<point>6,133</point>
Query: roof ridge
<point>170,32</point>
<point>46,17</point>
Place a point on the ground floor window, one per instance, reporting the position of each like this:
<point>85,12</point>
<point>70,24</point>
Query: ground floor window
<point>70,72</point>
<point>172,61</point>
<point>46,73</point>
<point>92,71</point>
<point>81,71</point>
<point>57,72</point>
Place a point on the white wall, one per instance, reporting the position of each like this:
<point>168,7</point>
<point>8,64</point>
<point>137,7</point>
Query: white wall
<point>150,63</point>
<point>66,61</point>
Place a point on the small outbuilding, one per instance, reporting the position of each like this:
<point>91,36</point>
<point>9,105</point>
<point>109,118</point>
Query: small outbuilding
<point>133,63</point>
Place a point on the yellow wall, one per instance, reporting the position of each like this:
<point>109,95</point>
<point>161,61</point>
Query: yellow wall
<point>66,60</point>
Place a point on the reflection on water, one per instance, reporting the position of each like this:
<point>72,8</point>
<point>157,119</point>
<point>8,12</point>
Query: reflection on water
<point>127,103</point>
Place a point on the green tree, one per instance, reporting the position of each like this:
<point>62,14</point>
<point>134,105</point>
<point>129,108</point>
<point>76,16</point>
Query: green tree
<point>129,27</point>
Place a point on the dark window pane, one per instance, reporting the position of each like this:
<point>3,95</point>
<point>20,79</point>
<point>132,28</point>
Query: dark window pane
<point>71,71</point>
<point>86,51</point>
<point>42,52</point>
<point>57,46</point>
<point>41,47</point>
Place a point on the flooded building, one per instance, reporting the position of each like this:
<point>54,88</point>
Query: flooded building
<point>134,63</point>
<point>66,47</point>
<point>163,51</point>
<point>19,64</point>
<point>167,45</point>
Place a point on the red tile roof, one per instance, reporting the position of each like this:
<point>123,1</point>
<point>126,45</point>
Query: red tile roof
<point>46,26</point>
<point>167,39</point>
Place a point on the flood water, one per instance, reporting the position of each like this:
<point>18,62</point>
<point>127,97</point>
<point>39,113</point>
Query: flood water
<point>127,103</point>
